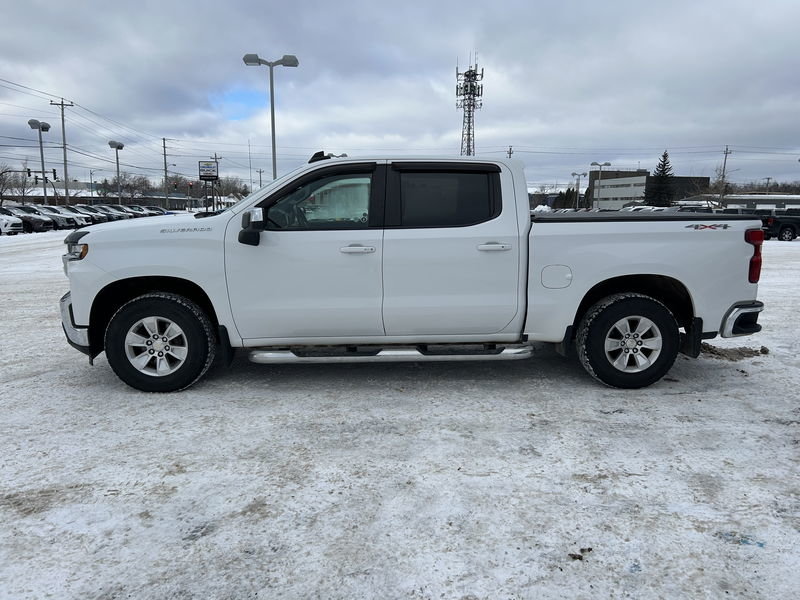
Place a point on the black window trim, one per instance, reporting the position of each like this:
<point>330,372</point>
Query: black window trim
<point>393,205</point>
<point>376,197</point>
<point>443,166</point>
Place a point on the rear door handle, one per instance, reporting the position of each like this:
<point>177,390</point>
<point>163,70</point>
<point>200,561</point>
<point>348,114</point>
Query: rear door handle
<point>357,249</point>
<point>494,247</point>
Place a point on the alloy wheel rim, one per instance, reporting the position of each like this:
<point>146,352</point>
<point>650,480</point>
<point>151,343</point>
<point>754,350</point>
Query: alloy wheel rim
<point>633,344</point>
<point>156,346</point>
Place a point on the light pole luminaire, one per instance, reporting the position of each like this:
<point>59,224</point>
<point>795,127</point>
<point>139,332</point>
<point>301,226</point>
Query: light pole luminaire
<point>117,146</point>
<point>41,126</point>
<point>577,177</point>
<point>599,179</point>
<point>287,60</point>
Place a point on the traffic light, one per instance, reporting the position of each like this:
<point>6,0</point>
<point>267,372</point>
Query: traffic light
<point>55,177</point>
<point>36,179</point>
<point>175,186</point>
<point>29,172</point>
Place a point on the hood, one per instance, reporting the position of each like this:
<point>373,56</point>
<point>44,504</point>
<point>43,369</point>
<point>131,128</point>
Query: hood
<point>148,226</point>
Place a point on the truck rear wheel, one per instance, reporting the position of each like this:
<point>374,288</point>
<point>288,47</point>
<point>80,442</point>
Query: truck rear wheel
<point>786,234</point>
<point>160,342</point>
<point>628,340</point>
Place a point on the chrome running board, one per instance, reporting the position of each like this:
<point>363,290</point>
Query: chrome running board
<point>406,354</point>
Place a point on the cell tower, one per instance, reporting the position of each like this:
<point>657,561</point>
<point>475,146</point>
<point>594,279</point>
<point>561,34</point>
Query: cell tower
<point>468,96</point>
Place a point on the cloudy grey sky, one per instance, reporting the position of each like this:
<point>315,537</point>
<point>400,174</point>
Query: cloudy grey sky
<point>566,83</point>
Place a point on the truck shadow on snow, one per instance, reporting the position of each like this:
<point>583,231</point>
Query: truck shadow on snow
<point>545,371</point>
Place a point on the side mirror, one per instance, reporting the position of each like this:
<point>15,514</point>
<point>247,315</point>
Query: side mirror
<point>252,225</point>
<point>253,219</point>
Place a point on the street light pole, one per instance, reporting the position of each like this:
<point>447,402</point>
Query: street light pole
<point>578,187</point>
<point>91,185</point>
<point>599,179</point>
<point>287,60</point>
<point>117,146</point>
<point>41,126</point>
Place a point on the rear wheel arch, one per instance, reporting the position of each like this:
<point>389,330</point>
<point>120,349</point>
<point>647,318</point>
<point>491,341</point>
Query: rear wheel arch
<point>667,290</point>
<point>112,297</point>
<point>787,233</point>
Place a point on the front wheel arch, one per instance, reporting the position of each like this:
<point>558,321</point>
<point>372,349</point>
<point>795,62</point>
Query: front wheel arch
<point>115,294</point>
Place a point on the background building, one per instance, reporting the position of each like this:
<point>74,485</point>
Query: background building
<point>620,188</point>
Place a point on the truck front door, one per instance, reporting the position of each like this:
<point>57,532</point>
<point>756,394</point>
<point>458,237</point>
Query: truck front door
<point>316,272</point>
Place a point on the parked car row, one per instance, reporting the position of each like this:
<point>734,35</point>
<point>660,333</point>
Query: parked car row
<point>30,218</point>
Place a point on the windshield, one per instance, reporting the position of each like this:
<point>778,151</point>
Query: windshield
<point>262,190</point>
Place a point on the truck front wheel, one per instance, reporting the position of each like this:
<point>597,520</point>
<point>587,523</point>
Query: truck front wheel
<point>160,342</point>
<point>628,340</point>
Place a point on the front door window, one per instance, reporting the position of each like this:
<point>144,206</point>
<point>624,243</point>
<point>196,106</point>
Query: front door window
<point>335,202</point>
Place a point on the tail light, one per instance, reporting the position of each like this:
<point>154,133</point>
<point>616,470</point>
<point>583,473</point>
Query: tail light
<point>756,238</point>
<point>770,221</point>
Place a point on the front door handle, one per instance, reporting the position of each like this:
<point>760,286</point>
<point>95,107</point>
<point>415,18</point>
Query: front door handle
<point>357,249</point>
<point>494,247</point>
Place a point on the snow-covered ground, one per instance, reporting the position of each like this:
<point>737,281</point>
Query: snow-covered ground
<point>504,480</point>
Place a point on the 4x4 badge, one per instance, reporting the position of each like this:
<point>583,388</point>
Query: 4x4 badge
<point>716,226</point>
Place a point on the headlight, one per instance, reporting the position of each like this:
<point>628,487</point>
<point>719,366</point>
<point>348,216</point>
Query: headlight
<point>75,249</point>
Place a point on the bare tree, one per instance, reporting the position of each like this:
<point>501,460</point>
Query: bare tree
<point>21,184</point>
<point>6,180</point>
<point>232,186</point>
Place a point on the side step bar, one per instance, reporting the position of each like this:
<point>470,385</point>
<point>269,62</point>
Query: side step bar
<point>268,356</point>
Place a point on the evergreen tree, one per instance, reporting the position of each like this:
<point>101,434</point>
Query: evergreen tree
<point>659,191</point>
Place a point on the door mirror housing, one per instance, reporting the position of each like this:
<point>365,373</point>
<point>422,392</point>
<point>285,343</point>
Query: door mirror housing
<point>253,219</point>
<point>252,226</point>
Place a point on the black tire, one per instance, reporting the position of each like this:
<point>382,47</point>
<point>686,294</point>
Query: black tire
<point>786,234</point>
<point>602,322</point>
<point>196,340</point>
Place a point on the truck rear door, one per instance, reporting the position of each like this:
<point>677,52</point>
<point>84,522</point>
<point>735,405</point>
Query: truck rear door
<point>450,250</point>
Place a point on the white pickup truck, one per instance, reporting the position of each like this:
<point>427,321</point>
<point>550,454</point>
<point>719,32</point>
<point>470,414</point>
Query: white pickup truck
<point>363,260</point>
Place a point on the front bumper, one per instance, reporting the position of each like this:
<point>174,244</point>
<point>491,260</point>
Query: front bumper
<point>78,337</point>
<point>742,319</point>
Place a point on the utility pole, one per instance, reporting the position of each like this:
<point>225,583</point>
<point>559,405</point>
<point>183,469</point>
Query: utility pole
<point>259,171</point>
<point>768,180</point>
<point>62,104</point>
<point>510,151</point>
<point>468,96</point>
<point>166,184</point>
<point>724,165</point>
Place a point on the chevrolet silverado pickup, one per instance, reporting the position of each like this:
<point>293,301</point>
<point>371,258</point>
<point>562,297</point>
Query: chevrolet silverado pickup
<point>407,259</point>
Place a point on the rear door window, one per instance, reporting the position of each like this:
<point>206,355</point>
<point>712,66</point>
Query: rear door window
<point>443,198</point>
